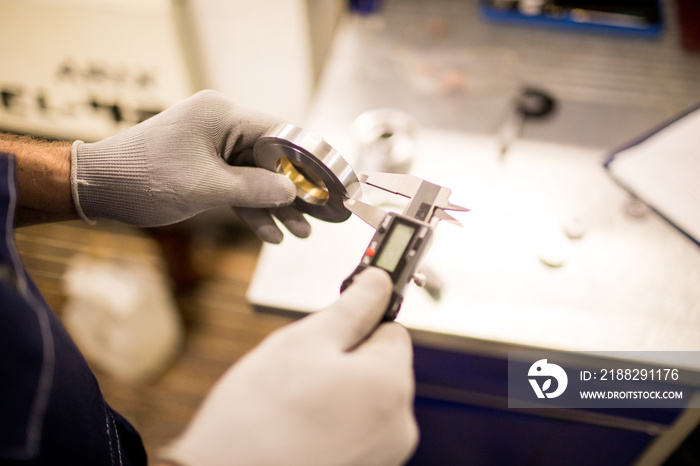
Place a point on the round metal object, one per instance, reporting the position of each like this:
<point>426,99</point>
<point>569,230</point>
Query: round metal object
<point>535,103</point>
<point>322,177</point>
<point>385,140</point>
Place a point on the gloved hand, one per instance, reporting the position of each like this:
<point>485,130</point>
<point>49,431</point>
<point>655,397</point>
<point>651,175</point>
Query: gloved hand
<point>326,390</point>
<point>187,159</point>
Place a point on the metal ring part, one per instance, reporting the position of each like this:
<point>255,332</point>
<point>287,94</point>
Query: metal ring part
<point>323,178</point>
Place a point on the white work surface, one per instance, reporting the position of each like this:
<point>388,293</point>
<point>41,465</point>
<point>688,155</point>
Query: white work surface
<point>627,283</point>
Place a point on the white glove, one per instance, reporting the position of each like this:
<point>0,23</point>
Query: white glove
<point>182,161</point>
<point>326,390</point>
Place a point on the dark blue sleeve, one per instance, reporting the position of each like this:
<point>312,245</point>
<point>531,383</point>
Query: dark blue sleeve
<point>51,408</point>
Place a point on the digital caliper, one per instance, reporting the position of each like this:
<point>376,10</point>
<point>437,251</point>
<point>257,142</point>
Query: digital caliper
<point>328,189</point>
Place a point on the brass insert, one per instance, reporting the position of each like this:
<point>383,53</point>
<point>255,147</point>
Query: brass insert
<point>310,187</point>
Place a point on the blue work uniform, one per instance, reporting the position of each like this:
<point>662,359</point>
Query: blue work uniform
<point>51,409</point>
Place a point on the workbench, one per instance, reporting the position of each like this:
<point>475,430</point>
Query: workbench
<point>627,283</point>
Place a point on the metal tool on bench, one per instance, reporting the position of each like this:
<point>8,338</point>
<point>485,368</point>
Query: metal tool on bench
<point>328,189</point>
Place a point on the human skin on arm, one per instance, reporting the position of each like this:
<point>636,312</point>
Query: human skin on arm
<point>43,179</point>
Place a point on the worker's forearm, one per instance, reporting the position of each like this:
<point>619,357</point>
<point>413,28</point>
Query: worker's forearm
<point>43,179</point>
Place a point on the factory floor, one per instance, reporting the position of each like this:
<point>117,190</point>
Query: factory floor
<point>209,278</point>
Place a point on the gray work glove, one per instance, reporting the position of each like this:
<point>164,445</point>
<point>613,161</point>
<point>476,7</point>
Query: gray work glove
<point>194,156</point>
<point>330,389</point>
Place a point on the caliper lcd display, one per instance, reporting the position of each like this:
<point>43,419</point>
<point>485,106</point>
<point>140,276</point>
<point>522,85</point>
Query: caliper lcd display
<point>394,246</point>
